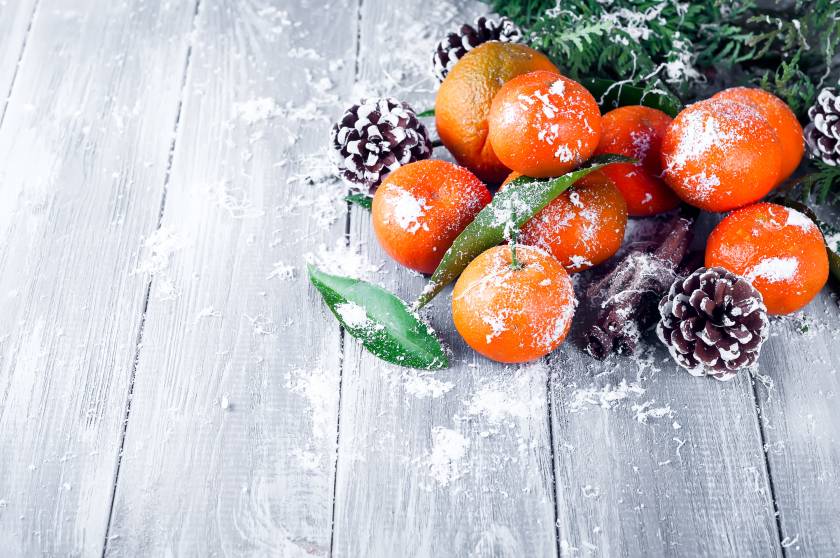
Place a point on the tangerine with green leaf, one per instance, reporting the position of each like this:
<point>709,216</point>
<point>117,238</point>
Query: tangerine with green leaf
<point>513,311</point>
<point>583,226</point>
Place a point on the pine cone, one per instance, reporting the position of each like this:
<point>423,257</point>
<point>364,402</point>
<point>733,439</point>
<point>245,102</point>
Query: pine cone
<point>456,44</point>
<point>377,136</point>
<point>713,322</point>
<point>823,132</point>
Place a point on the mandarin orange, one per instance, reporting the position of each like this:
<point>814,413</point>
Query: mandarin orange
<point>780,117</point>
<point>420,208</point>
<point>543,124</point>
<point>780,250</point>
<point>719,155</point>
<point>513,313</point>
<point>637,132</point>
<point>463,102</point>
<point>583,226</point>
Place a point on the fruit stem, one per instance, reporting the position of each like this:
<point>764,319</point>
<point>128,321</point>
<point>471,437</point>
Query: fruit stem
<point>514,263</point>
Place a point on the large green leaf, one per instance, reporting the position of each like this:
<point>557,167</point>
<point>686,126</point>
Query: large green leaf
<point>519,201</point>
<point>611,94</point>
<point>381,321</point>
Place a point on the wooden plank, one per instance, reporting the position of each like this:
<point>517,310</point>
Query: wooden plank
<point>230,446</point>
<point>83,155</point>
<point>801,419</point>
<point>15,20</point>
<point>651,461</point>
<point>455,463</point>
<point>657,462</point>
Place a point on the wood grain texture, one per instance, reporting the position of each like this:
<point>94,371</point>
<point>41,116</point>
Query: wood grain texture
<point>454,463</point>
<point>801,419</point>
<point>652,461</point>
<point>84,152</point>
<point>15,19</point>
<point>691,482</point>
<point>242,380</point>
<point>230,446</point>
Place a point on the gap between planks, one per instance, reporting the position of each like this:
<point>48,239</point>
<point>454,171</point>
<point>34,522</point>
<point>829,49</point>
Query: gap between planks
<point>342,333</point>
<point>19,60</point>
<point>767,469</point>
<point>141,327</point>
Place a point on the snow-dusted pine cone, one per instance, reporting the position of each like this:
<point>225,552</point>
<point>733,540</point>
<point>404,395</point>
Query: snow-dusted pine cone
<point>457,43</point>
<point>377,136</point>
<point>713,322</point>
<point>823,132</point>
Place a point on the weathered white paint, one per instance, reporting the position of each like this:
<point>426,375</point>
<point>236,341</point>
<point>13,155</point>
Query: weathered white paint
<point>83,154</point>
<point>15,19</point>
<point>676,469</point>
<point>801,419</point>
<point>230,446</point>
<point>457,463</point>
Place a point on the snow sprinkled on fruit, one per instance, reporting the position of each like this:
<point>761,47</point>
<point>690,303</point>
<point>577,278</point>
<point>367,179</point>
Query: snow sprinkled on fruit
<point>774,269</point>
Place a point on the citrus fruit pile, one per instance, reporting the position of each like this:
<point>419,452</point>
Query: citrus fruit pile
<point>511,119</point>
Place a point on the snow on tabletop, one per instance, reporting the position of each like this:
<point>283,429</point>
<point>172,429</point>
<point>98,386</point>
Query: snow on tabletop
<point>505,399</point>
<point>158,251</point>
<point>445,463</point>
<point>341,259</point>
<point>282,271</point>
<point>317,388</point>
<point>423,385</point>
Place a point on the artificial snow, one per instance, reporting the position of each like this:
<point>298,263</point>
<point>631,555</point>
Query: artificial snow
<point>408,211</point>
<point>449,448</point>
<point>798,219</point>
<point>606,396</point>
<point>353,315</point>
<point>774,270</point>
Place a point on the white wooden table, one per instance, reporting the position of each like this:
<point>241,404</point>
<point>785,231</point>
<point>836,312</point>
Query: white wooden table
<point>170,385</point>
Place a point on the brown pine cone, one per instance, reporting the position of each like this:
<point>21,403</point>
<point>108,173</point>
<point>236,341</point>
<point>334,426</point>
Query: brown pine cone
<point>457,43</point>
<point>823,132</point>
<point>377,136</point>
<point>713,323</point>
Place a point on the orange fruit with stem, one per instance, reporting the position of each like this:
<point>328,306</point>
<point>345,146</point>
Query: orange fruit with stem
<point>543,124</point>
<point>780,250</point>
<point>637,132</point>
<point>420,208</point>
<point>720,155</point>
<point>513,311</point>
<point>780,117</point>
<point>583,226</point>
<point>464,98</point>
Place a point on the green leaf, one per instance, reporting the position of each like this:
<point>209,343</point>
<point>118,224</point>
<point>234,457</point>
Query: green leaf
<point>429,112</point>
<point>381,321</point>
<point>362,200</point>
<point>611,94</point>
<point>833,256</point>
<point>517,203</point>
